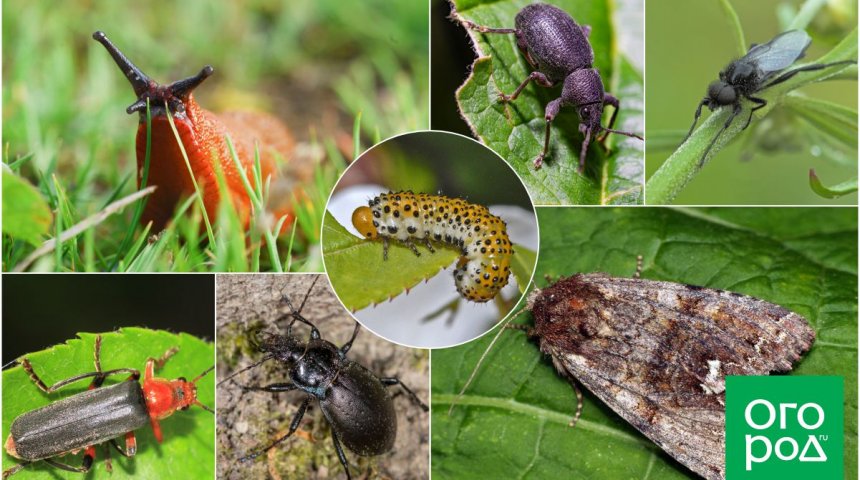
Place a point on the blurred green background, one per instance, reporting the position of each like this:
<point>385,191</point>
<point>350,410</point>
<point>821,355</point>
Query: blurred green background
<point>315,65</point>
<point>689,42</point>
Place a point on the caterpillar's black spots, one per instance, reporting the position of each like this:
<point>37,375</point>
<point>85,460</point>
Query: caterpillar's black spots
<point>449,220</point>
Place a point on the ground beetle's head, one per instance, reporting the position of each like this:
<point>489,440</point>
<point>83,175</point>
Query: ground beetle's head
<point>284,348</point>
<point>176,95</point>
<point>721,93</point>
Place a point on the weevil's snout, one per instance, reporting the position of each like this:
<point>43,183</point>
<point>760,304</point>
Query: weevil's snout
<point>721,93</point>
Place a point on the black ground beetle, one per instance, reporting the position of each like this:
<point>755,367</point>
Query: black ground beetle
<point>754,72</point>
<point>99,414</point>
<point>558,48</point>
<point>354,401</point>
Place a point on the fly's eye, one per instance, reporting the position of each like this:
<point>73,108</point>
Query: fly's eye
<point>726,95</point>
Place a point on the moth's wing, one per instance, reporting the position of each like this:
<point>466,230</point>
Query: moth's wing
<point>658,353</point>
<point>779,53</point>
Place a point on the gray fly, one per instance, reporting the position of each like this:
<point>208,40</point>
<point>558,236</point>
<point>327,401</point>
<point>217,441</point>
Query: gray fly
<point>762,67</point>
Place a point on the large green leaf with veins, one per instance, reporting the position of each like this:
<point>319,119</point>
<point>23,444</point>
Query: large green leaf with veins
<point>516,130</point>
<point>513,420</point>
<point>188,450</point>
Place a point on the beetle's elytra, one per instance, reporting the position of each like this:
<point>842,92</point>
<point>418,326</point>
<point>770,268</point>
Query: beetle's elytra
<point>558,50</point>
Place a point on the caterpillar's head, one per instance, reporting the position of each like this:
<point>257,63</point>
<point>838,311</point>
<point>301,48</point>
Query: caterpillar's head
<point>362,220</point>
<point>177,95</point>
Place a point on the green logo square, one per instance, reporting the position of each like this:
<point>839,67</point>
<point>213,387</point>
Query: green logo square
<point>780,427</point>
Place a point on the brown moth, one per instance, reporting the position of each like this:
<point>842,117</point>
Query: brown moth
<point>658,353</point>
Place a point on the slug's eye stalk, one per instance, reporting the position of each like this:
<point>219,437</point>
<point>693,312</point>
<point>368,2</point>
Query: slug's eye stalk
<point>175,95</point>
<point>139,81</point>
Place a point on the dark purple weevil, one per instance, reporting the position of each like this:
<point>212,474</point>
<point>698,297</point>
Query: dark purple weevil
<point>557,47</point>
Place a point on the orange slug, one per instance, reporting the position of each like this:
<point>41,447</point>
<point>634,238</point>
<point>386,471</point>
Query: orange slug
<point>203,137</point>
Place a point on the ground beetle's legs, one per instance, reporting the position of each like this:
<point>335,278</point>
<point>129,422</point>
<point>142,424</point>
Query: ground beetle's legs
<point>315,333</point>
<point>340,454</point>
<point>257,364</point>
<point>696,118</point>
<point>160,361</point>
<point>735,112</point>
<point>97,353</point>
<point>806,68</point>
<point>346,346</point>
<point>389,381</point>
<point>274,388</point>
<point>294,425</point>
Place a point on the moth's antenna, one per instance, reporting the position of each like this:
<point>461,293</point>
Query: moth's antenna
<point>483,356</point>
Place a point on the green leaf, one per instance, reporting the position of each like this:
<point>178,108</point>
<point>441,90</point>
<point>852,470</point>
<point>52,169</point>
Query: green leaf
<point>188,449</point>
<point>516,130</point>
<point>512,421</point>
<point>838,121</point>
<point>361,277</point>
<point>26,215</point>
<point>835,191</point>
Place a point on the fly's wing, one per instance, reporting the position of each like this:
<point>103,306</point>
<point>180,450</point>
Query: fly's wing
<point>779,53</point>
<point>658,353</point>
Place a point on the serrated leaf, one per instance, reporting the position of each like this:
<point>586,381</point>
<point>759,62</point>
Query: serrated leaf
<point>26,215</point>
<point>516,130</point>
<point>361,277</point>
<point>512,422</point>
<point>188,449</point>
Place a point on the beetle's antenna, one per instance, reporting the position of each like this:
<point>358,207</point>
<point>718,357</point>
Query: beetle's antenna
<point>265,359</point>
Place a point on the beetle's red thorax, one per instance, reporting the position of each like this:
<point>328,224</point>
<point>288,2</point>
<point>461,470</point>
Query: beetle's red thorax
<point>163,397</point>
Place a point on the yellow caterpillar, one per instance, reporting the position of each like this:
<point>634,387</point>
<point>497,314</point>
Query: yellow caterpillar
<point>485,264</point>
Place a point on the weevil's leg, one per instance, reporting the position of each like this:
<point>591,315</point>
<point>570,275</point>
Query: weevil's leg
<point>582,153</point>
<point>294,425</point>
<point>479,28</point>
<point>346,346</point>
<point>86,463</point>
<point>340,455</point>
<point>735,112</point>
<point>388,381</point>
<point>538,77</point>
<point>429,245</point>
<point>411,245</point>
<point>13,470</point>
<point>552,109</point>
<point>609,100</point>
<point>696,118</point>
<point>25,364</point>
<point>274,387</point>
<point>806,68</point>
<point>760,103</point>
<point>384,248</point>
